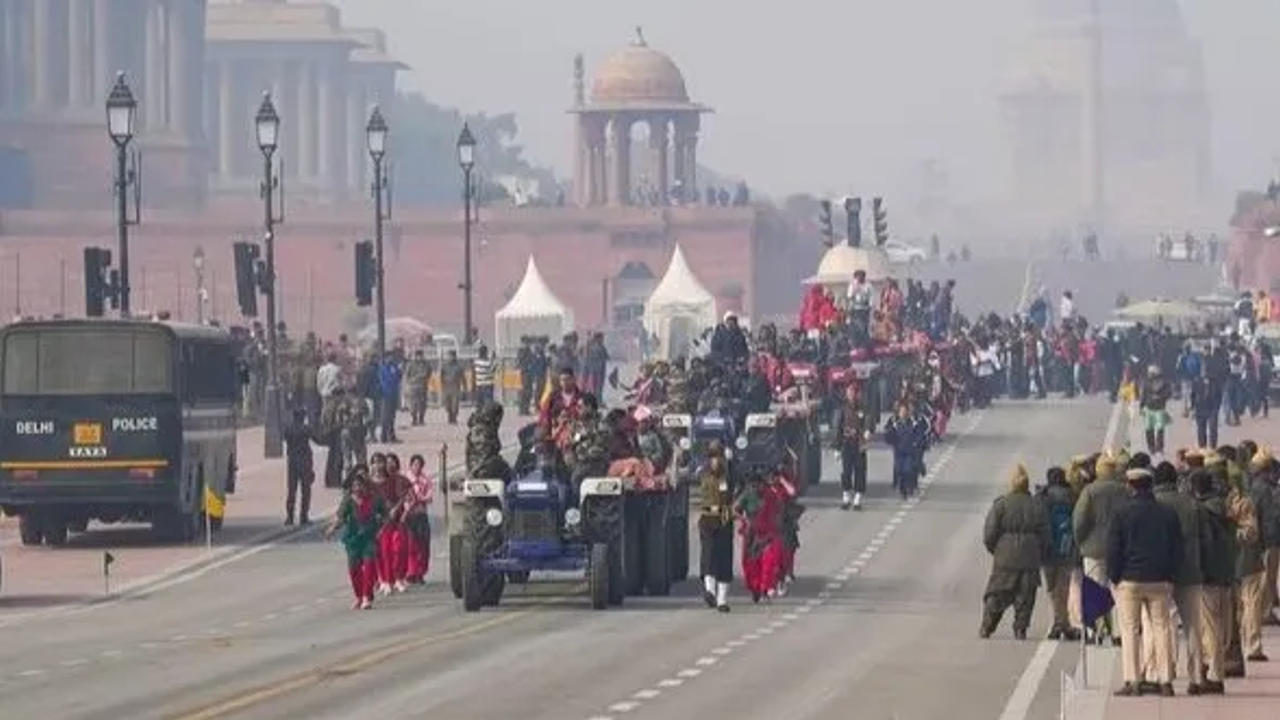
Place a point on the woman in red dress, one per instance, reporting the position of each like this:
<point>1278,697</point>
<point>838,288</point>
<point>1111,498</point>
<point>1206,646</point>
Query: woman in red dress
<point>417,501</point>
<point>389,485</point>
<point>760,510</point>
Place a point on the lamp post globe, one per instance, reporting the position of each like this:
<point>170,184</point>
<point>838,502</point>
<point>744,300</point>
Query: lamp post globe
<point>267,125</point>
<point>376,134</point>
<point>197,258</point>
<point>122,109</point>
<point>466,148</point>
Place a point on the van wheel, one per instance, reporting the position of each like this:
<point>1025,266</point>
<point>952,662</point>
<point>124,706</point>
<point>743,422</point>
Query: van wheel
<point>29,529</point>
<point>55,532</point>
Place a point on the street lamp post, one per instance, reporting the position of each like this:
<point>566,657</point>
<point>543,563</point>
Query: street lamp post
<point>467,159</point>
<point>121,113</point>
<point>197,261</point>
<point>376,133</point>
<point>267,125</point>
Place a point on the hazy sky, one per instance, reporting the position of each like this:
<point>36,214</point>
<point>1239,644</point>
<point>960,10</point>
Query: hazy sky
<point>825,96</point>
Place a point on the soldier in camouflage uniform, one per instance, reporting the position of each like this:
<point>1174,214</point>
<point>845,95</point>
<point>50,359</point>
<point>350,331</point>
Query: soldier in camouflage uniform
<point>590,448</point>
<point>353,417</point>
<point>484,448</point>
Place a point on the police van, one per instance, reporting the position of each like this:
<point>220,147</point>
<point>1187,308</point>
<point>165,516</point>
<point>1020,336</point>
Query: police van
<point>116,421</point>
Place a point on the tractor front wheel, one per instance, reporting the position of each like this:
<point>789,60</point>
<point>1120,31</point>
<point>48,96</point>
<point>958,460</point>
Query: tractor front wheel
<point>598,576</point>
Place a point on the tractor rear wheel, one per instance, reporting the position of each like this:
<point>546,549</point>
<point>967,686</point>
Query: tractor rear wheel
<point>617,583</point>
<point>657,550</point>
<point>598,576</point>
<point>472,582</point>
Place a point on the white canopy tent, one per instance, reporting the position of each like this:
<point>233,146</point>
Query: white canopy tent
<point>533,310</point>
<point>679,309</point>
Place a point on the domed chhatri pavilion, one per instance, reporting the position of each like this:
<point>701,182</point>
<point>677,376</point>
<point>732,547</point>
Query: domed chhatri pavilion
<point>636,85</point>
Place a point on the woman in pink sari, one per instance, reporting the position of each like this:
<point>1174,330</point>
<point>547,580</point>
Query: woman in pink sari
<point>417,526</point>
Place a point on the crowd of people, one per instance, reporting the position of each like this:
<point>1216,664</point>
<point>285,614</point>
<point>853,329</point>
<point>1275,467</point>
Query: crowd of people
<point>1198,534</point>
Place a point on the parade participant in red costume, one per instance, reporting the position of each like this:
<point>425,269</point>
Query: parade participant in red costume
<point>760,512</point>
<point>389,485</point>
<point>561,410</point>
<point>790,520</point>
<point>359,516</point>
<point>417,501</point>
<point>818,311</point>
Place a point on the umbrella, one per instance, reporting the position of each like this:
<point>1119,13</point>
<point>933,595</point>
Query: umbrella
<point>410,330</point>
<point>1161,309</point>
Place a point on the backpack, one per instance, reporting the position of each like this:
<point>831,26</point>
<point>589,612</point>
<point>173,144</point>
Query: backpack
<point>1062,541</point>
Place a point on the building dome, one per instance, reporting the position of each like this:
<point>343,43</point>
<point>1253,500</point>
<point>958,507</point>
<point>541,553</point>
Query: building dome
<point>840,263</point>
<point>639,74</point>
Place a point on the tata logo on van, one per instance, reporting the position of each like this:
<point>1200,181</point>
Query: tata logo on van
<point>33,427</point>
<point>133,424</point>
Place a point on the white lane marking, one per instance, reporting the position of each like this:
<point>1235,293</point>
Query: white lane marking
<point>1019,703</point>
<point>866,555</point>
<point>623,707</point>
<point>647,694</point>
<point>670,683</point>
<point>243,623</point>
<point>706,661</point>
<point>148,645</point>
<point>600,717</point>
<point>842,576</point>
<point>178,638</point>
<point>722,651</point>
<point>31,673</point>
<point>270,616</point>
<point>791,616</point>
<point>813,603</point>
<point>834,585</point>
<point>766,630</point>
<point>689,673</point>
<point>804,609</point>
<point>297,608</point>
<point>751,636</point>
<point>112,653</point>
<point>779,624</point>
<point>824,594</point>
<point>76,662</point>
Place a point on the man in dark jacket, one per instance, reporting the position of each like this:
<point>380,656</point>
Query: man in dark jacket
<point>1016,534</point>
<point>1063,557</point>
<point>854,426</point>
<point>1217,568</point>
<point>1206,399</point>
<point>728,342</point>
<point>1188,581</point>
<point>1144,548</point>
<point>300,466</point>
<point>1254,599</point>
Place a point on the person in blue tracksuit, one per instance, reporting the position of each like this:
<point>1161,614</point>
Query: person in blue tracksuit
<point>907,432</point>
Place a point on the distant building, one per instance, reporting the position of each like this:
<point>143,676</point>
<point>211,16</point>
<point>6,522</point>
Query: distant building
<point>198,70</point>
<point>1107,116</point>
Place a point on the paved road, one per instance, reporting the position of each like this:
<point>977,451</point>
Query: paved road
<point>882,624</point>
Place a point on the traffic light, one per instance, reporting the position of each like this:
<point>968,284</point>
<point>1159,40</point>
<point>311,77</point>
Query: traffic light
<point>246,254</point>
<point>881,218</point>
<point>853,212</point>
<point>366,273</point>
<point>824,222</point>
<point>97,289</point>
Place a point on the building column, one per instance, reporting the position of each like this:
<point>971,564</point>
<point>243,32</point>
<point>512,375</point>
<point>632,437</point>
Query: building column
<point>79,53</point>
<point>44,47</point>
<point>151,101</point>
<point>306,121</point>
<point>621,189</point>
<point>596,159</point>
<point>179,75</point>
<point>659,139</point>
<point>324,131</point>
<point>687,150</point>
<point>226,120</point>
<point>354,148</point>
<point>103,73</point>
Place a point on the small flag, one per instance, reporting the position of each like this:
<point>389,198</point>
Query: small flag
<point>1095,601</point>
<point>213,504</point>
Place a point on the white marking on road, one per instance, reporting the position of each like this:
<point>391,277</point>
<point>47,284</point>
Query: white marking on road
<point>779,624</point>
<point>112,653</point>
<point>866,555</point>
<point>824,594</point>
<point>76,662</point>
<point>735,643</point>
<point>243,623</point>
<point>297,608</point>
<point>843,576</point>
<point>722,651</point>
<point>647,694</point>
<point>706,661</point>
<point>148,645</point>
<point>791,616</point>
<point>766,630</point>
<point>270,616</point>
<point>877,543</point>
<point>689,673</point>
<point>624,707</point>
<point>834,585</point>
<point>895,520</point>
<point>670,683</point>
<point>178,638</point>
<point>813,603</point>
<point>600,717</point>
<point>31,673</point>
<point>751,636</point>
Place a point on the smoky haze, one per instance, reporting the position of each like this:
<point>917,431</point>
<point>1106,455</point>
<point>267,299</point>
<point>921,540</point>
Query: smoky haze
<point>821,96</point>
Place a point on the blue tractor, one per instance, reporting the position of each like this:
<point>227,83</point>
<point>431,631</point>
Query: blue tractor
<point>539,522</point>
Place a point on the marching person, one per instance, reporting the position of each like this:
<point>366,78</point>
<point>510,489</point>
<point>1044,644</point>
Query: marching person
<point>854,432</point>
<point>1091,523</point>
<point>760,507</point>
<point>1016,534</point>
<point>1154,399</point>
<point>416,375</point>
<point>1062,557</point>
<point>359,516</point>
<point>453,383</point>
<point>715,529</point>
<point>419,494</point>
<point>908,434</point>
<point>300,466</point>
<point>1144,548</point>
<point>1217,567</point>
<point>1188,581</point>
